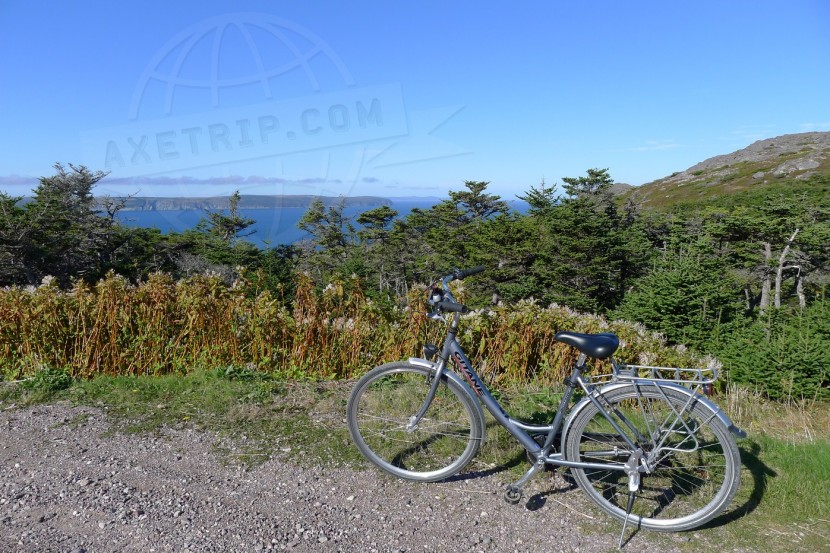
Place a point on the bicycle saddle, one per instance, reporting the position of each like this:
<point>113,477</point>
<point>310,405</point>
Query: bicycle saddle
<point>598,346</point>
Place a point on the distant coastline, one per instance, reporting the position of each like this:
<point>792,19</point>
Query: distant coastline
<point>160,203</point>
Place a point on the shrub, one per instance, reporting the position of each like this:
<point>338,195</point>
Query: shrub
<point>783,355</point>
<point>48,380</point>
<point>162,326</point>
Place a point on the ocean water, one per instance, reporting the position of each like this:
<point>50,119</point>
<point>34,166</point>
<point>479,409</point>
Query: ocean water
<point>272,226</point>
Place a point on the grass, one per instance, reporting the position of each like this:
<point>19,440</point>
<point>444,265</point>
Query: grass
<point>254,415</point>
<point>726,184</point>
<point>782,505</point>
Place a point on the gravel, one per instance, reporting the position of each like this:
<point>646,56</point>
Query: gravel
<point>69,483</point>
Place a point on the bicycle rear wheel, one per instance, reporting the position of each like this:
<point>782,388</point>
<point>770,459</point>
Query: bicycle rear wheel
<point>444,441</point>
<point>695,463</point>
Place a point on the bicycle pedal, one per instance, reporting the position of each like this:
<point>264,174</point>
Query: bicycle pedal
<point>513,495</point>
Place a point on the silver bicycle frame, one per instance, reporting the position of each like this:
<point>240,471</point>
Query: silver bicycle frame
<point>521,430</point>
<point>518,429</point>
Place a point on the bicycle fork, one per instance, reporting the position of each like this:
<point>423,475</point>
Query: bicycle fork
<point>412,425</point>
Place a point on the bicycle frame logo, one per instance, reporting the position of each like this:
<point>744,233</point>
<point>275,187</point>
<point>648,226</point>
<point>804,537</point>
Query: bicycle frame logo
<point>464,367</point>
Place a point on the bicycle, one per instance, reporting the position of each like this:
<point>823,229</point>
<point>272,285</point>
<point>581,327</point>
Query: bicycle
<point>643,443</point>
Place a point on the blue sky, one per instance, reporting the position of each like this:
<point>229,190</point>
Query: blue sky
<point>398,99</point>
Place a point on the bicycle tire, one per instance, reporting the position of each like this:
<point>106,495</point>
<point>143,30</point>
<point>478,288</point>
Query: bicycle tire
<point>444,441</point>
<point>688,485</point>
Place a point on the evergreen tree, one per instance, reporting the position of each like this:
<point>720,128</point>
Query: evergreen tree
<point>475,204</point>
<point>540,199</point>
<point>15,242</point>
<point>375,247</point>
<point>229,228</point>
<point>61,232</point>
<point>689,294</point>
<point>594,184</point>
<point>331,247</point>
<point>329,227</point>
<point>376,224</point>
<point>506,245</point>
<point>783,354</point>
<point>583,245</point>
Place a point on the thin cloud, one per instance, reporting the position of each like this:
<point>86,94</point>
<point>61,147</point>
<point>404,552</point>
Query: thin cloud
<point>19,182</point>
<point>808,127</point>
<point>9,180</point>
<point>747,135</point>
<point>231,179</point>
<point>653,146</point>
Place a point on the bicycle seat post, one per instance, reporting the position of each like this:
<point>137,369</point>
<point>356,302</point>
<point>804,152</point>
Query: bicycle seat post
<point>580,362</point>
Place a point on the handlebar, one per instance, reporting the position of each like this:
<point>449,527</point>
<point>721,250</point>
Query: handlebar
<point>452,306</point>
<point>449,303</point>
<point>458,275</point>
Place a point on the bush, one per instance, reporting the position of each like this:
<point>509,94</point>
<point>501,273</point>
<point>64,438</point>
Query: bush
<point>783,355</point>
<point>162,326</point>
<point>49,380</point>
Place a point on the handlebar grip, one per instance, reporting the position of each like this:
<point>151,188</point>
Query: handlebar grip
<point>452,307</point>
<point>468,272</point>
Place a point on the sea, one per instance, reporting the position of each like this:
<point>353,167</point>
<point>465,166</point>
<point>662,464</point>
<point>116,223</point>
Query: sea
<point>272,227</point>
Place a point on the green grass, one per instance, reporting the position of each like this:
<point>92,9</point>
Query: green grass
<point>782,505</point>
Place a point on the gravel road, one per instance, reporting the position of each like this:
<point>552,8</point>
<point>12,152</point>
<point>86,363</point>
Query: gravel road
<point>70,484</point>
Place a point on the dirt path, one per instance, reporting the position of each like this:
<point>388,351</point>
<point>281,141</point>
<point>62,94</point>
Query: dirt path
<point>69,484</point>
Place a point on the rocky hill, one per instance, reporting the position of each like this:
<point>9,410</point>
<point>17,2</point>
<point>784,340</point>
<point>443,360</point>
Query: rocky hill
<point>765,162</point>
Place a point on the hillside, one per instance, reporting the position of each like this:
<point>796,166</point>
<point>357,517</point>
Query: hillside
<point>764,163</point>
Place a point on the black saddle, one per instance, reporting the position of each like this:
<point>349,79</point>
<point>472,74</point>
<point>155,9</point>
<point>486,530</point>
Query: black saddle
<point>598,346</point>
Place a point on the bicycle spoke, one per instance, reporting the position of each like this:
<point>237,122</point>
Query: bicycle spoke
<point>442,442</point>
<point>691,474</point>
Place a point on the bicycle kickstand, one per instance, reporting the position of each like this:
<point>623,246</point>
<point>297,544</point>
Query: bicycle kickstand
<point>632,469</point>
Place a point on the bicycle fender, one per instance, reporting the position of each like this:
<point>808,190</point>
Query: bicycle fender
<point>458,380</point>
<point>703,400</point>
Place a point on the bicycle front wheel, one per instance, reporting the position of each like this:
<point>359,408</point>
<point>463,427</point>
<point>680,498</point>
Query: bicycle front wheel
<point>694,462</point>
<point>443,442</point>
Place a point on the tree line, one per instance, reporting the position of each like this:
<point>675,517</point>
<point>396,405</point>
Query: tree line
<point>743,277</point>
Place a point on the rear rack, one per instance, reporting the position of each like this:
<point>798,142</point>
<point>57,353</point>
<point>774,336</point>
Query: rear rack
<point>692,378</point>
